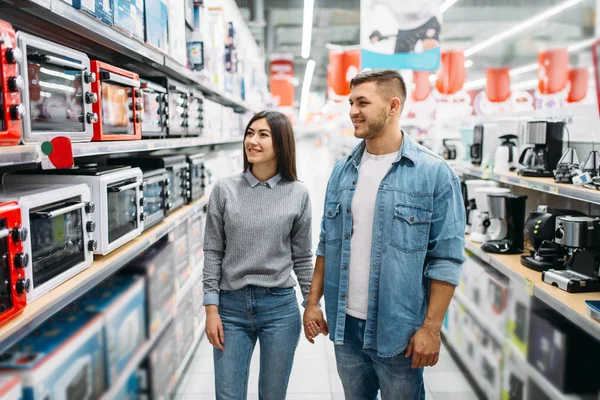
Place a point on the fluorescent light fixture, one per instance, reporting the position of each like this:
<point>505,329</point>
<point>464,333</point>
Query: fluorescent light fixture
<point>525,84</point>
<point>524,69</point>
<point>432,78</point>
<point>308,75</point>
<point>475,84</point>
<point>521,27</point>
<point>309,6</point>
<point>468,63</point>
<point>447,4</point>
<point>581,45</point>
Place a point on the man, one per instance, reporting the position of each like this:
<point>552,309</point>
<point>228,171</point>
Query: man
<point>391,250</point>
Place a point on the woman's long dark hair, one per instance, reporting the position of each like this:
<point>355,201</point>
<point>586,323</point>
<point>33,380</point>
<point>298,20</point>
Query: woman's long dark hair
<point>284,144</point>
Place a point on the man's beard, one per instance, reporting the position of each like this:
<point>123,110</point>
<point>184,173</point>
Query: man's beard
<point>374,128</point>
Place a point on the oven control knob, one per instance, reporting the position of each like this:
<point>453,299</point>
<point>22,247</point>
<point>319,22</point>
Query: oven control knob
<point>17,112</point>
<point>188,194</point>
<point>168,206</point>
<point>92,118</point>
<point>19,234</point>
<point>89,77</point>
<point>92,245</point>
<point>23,285</point>
<point>21,260</point>
<point>143,202</point>
<point>143,186</point>
<point>14,55</point>
<point>91,98</point>
<point>166,194</point>
<point>90,207</point>
<point>90,226</point>
<point>143,216</point>
<point>16,83</point>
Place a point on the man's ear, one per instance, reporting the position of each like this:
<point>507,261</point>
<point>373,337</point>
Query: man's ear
<point>395,106</point>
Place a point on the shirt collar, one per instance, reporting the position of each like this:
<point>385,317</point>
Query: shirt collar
<point>271,183</point>
<point>408,150</point>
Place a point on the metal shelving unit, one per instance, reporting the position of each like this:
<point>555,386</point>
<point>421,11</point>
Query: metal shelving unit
<point>43,308</point>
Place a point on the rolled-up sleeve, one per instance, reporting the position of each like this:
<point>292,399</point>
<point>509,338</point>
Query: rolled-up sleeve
<point>302,247</point>
<point>214,248</point>
<point>446,247</point>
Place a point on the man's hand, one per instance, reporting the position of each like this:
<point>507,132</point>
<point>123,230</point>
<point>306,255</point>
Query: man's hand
<point>314,323</point>
<point>214,327</point>
<point>424,347</point>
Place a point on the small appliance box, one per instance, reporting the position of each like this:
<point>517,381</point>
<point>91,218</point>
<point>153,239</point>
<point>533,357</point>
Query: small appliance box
<point>158,266</point>
<point>121,300</point>
<point>157,375</point>
<point>61,359</point>
<point>131,389</point>
<point>514,376</point>
<point>489,366</point>
<point>518,313</point>
<point>181,244</point>
<point>494,304</point>
<point>177,32</point>
<point>184,328</point>
<point>10,388</point>
<point>129,16</point>
<point>469,342</point>
<point>563,353</point>
<point>197,225</point>
<point>198,307</point>
<point>101,9</point>
<point>157,24</point>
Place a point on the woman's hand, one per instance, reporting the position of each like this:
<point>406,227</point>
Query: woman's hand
<point>314,323</point>
<point>214,327</point>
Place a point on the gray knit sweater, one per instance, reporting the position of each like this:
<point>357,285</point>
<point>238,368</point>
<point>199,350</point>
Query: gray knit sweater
<point>256,233</point>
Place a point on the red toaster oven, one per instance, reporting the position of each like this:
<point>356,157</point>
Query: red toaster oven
<point>120,103</point>
<point>12,83</point>
<point>13,260</point>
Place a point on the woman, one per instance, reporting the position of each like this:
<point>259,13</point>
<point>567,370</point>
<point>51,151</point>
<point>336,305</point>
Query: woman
<point>258,230</point>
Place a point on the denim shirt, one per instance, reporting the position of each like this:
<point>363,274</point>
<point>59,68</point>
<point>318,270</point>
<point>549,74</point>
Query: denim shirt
<point>418,235</point>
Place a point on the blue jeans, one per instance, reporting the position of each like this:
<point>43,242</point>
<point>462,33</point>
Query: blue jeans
<point>273,317</point>
<point>364,373</point>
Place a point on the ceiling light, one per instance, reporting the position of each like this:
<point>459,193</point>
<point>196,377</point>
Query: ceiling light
<point>475,84</point>
<point>432,78</point>
<point>581,45</point>
<point>308,75</point>
<point>525,68</point>
<point>468,64</point>
<point>525,85</point>
<point>520,27</point>
<point>309,6</point>
<point>447,4</point>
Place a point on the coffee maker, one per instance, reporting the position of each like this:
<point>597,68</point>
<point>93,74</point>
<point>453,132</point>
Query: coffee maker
<point>540,229</point>
<point>481,221</point>
<point>486,138</point>
<point>505,159</point>
<point>506,237</point>
<point>581,237</point>
<point>542,158</point>
<point>469,198</point>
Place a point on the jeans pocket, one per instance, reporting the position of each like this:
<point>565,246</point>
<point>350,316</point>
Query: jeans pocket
<point>410,228</point>
<point>281,291</point>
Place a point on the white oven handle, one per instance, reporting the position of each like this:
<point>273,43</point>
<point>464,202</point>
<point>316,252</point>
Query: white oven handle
<point>56,213</point>
<point>112,77</point>
<point>62,62</point>
<point>122,188</point>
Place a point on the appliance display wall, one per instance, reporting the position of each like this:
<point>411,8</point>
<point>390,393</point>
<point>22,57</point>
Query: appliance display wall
<point>13,83</point>
<point>155,189</point>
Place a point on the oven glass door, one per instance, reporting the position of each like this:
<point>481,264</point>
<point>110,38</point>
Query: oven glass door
<point>122,209</point>
<point>57,239</point>
<point>197,180</point>
<point>6,302</point>
<point>195,116</point>
<point>177,110</point>
<point>55,93</point>
<point>152,111</point>
<point>154,197</point>
<point>116,114</point>
<point>79,387</point>
<point>176,182</point>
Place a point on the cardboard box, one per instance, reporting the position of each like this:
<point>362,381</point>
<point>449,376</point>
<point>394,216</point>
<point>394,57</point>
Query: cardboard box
<point>181,245</point>
<point>157,24</point>
<point>184,328</point>
<point>514,376</point>
<point>157,375</point>
<point>131,389</point>
<point>121,300</point>
<point>518,312</point>
<point>101,9</point>
<point>61,359</point>
<point>494,304</point>
<point>10,388</point>
<point>197,225</point>
<point>489,366</point>
<point>177,32</point>
<point>129,17</point>
<point>198,310</point>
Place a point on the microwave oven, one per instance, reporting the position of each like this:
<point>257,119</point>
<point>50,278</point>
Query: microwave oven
<point>197,173</point>
<point>116,190</point>
<point>156,196</point>
<point>156,110</point>
<point>177,169</point>
<point>59,243</point>
<point>14,260</point>
<point>57,91</point>
<point>119,103</point>
<point>12,85</point>
<point>177,113</point>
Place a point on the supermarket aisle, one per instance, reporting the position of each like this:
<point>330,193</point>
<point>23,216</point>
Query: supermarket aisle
<point>314,376</point>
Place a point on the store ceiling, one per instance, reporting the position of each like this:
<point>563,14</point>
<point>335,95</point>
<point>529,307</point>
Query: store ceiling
<point>466,23</point>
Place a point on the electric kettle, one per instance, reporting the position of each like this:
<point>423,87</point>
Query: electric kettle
<point>505,159</point>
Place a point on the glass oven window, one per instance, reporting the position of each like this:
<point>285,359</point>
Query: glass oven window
<point>5,289</point>
<point>196,179</point>
<point>115,109</point>
<point>176,185</point>
<point>55,95</point>
<point>154,200</point>
<point>57,242</point>
<point>152,110</point>
<point>78,388</point>
<point>122,211</point>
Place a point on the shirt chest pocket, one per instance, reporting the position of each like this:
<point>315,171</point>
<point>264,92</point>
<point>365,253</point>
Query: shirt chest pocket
<point>410,228</point>
<point>333,223</point>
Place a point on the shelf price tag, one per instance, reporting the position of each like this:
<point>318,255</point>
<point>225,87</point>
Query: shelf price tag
<point>529,286</point>
<point>523,182</point>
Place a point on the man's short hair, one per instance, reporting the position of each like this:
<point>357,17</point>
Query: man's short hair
<point>387,78</point>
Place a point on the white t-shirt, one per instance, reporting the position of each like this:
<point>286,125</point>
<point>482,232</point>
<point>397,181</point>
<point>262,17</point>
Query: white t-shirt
<point>372,170</point>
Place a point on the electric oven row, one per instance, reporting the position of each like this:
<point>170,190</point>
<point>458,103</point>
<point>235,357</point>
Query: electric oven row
<point>50,90</point>
<point>53,222</point>
<point>81,352</point>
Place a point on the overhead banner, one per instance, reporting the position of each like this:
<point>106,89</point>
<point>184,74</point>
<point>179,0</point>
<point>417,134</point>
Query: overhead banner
<point>344,64</point>
<point>281,81</point>
<point>400,34</point>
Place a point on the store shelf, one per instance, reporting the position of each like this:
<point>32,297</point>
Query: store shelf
<point>191,281</point>
<point>134,363</point>
<point>476,314</point>
<point>570,305</point>
<point>49,304</point>
<point>546,185</point>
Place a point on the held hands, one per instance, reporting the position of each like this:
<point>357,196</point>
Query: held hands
<point>314,323</point>
<point>214,327</point>
<point>424,347</point>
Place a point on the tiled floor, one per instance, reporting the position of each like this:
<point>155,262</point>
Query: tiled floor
<point>314,376</point>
